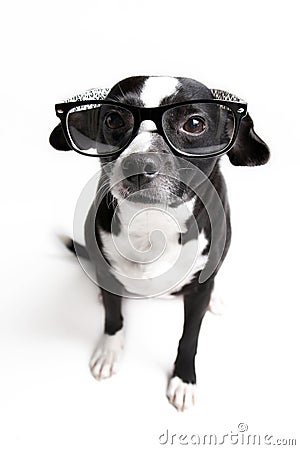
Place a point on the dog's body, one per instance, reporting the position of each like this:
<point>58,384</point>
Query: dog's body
<point>124,227</point>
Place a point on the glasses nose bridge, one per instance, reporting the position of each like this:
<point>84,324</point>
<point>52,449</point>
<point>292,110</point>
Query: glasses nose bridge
<point>149,114</point>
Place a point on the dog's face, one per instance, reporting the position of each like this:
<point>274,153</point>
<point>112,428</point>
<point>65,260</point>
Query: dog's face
<point>146,171</point>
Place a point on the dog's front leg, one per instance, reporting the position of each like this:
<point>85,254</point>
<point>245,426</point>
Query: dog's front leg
<point>105,359</point>
<point>181,389</point>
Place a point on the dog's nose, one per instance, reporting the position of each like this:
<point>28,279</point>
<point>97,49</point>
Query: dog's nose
<point>139,169</point>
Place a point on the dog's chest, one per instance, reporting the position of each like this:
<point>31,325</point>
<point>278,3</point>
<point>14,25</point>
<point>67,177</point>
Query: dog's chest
<point>146,256</point>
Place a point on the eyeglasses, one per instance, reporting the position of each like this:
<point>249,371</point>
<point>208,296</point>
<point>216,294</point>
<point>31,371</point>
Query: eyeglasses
<point>195,128</point>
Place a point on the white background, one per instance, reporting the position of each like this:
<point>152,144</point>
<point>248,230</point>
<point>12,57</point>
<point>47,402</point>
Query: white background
<point>248,358</point>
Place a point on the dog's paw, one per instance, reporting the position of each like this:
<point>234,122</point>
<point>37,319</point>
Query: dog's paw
<point>216,305</point>
<point>105,359</point>
<point>180,394</point>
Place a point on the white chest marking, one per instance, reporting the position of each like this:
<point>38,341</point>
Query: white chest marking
<point>146,256</point>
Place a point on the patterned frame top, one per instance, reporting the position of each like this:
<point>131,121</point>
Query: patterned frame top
<point>101,94</point>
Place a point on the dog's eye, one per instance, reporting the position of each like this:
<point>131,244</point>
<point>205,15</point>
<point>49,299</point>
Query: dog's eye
<point>114,121</point>
<point>194,124</point>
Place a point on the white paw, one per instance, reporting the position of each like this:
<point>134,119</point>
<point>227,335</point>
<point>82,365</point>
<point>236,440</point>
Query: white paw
<point>216,304</point>
<point>180,394</point>
<point>105,359</point>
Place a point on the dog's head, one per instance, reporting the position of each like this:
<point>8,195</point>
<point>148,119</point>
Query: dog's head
<point>148,123</point>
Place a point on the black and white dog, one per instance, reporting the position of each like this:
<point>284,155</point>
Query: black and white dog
<point>161,214</point>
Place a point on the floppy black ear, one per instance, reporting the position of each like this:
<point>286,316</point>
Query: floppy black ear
<point>57,139</point>
<point>249,149</point>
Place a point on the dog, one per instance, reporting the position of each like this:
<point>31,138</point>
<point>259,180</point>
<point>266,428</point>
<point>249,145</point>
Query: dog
<point>161,215</point>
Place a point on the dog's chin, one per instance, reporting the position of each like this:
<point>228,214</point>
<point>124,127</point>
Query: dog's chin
<point>144,194</point>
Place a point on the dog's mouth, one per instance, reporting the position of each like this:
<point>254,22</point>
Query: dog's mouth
<point>135,189</point>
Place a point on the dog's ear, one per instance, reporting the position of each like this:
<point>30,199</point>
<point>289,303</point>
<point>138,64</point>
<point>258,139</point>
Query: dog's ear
<point>57,139</point>
<point>249,149</point>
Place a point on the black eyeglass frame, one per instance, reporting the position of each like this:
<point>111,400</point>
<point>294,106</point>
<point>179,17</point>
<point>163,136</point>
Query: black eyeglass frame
<point>238,108</point>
